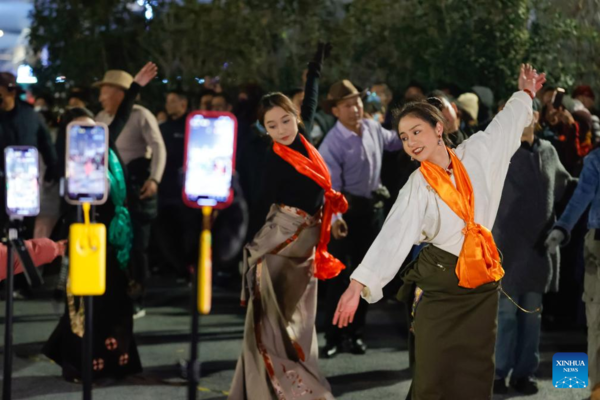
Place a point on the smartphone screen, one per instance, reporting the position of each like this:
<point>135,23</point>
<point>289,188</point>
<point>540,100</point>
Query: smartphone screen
<point>209,159</point>
<point>86,163</point>
<point>557,101</point>
<point>22,184</point>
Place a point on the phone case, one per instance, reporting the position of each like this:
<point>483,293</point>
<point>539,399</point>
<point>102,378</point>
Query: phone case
<point>8,210</point>
<point>208,114</point>
<point>66,181</point>
<point>87,256</point>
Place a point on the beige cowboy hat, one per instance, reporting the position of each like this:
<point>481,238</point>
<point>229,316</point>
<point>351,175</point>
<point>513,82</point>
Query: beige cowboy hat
<point>339,91</point>
<point>116,77</point>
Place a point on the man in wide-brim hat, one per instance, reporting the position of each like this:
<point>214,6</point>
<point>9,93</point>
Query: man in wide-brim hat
<point>353,151</point>
<point>340,91</point>
<point>117,78</point>
<point>142,149</point>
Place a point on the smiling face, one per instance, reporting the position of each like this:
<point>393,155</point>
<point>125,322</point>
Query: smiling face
<point>420,139</point>
<point>281,125</point>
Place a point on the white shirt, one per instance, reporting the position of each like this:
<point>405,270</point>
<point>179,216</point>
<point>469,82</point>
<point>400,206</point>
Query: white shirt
<point>420,215</point>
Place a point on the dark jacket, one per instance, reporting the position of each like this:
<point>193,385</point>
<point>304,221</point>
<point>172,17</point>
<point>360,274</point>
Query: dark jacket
<point>173,133</point>
<point>536,180</point>
<point>22,126</point>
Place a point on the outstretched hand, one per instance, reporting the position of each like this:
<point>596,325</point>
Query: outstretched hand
<point>348,304</point>
<point>530,79</point>
<point>146,74</point>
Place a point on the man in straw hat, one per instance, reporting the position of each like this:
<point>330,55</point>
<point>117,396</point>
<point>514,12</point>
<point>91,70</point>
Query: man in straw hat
<point>353,151</point>
<point>142,149</point>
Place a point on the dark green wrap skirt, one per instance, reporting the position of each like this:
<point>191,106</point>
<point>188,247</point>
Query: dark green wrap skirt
<point>454,330</point>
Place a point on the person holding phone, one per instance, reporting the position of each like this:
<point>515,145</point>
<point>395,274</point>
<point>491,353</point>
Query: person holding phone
<point>20,125</point>
<point>115,351</point>
<point>452,288</point>
<point>280,349</point>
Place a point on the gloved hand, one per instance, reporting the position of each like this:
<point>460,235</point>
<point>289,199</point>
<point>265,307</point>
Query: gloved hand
<point>323,51</point>
<point>554,239</point>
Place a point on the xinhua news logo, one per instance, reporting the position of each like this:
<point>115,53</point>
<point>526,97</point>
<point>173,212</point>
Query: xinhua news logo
<point>570,370</point>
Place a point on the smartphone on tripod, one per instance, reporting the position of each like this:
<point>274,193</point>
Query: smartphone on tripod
<point>86,163</point>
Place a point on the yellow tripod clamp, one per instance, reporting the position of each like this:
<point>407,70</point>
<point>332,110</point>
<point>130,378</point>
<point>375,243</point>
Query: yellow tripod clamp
<point>87,256</point>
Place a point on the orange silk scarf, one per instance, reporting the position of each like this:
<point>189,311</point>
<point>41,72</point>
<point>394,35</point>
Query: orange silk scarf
<point>314,167</point>
<point>479,261</point>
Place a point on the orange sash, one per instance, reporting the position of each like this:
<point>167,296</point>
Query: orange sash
<point>314,167</point>
<point>479,261</point>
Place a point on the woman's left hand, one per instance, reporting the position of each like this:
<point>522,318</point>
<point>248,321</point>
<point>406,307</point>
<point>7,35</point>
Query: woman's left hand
<point>146,74</point>
<point>530,79</point>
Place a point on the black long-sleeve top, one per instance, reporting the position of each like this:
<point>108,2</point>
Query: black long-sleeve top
<point>284,185</point>
<point>281,183</point>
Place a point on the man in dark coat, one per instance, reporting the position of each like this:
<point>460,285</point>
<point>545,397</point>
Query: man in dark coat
<point>536,180</point>
<point>20,125</point>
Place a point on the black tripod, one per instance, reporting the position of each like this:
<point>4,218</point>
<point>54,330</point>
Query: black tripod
<point>14,244</point>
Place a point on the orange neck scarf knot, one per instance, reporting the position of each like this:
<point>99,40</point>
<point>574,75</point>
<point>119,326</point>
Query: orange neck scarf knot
<point>314,167</point>
<point>479,260</point>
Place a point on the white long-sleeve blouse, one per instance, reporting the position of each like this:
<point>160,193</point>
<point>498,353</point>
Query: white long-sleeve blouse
<point>420,215</point>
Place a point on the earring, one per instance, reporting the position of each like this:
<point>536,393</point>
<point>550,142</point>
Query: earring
<point>412,159</point>
<point>440,141</point>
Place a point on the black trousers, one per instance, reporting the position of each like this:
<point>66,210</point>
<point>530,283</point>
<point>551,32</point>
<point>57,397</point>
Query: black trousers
<point>364,223</point>
<point>177,234</point>
<point>143,213</point>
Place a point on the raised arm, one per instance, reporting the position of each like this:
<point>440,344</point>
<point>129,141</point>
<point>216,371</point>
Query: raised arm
<point>502,138</point>
<point>145,75</point>
<point>311,88</point>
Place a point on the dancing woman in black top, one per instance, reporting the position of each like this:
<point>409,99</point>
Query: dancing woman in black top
<point>283,262</point>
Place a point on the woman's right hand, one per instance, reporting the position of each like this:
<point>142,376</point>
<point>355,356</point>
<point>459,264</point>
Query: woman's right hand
<point>348,304</point>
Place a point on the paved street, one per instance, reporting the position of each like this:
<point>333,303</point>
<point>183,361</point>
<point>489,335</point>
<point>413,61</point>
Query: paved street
<point>162,337</point>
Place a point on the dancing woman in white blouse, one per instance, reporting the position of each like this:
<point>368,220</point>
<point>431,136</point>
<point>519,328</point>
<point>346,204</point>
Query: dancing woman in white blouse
<point>451,203</point>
